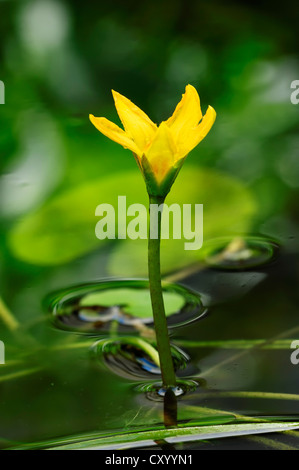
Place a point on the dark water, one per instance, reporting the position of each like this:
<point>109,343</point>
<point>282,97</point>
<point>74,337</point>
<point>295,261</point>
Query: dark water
<point>80,372</point>
<point>77,371</point>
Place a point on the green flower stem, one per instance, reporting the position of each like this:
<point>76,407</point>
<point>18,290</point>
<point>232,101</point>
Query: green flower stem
<point>163,343</point>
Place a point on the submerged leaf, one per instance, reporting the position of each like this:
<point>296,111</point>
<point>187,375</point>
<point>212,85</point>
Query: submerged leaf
<point>176,435</point>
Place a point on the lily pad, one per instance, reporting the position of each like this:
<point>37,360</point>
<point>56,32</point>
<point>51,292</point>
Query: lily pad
<point>228,209</point>
<point>64,228</point>
<point>135,302</point>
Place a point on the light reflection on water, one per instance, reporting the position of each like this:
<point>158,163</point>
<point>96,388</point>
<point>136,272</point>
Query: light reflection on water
<point>59,67</point>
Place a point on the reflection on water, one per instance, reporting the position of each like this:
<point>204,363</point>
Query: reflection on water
<point>239,253</point>
<point>135,358</point>
<point>228,365</point>
<point>123,303</point>
<point>58,63</point>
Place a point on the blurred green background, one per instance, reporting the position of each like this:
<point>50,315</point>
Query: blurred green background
<point>59,62</point>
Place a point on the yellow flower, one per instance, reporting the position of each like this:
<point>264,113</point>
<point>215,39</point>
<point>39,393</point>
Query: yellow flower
<point>159,150</point>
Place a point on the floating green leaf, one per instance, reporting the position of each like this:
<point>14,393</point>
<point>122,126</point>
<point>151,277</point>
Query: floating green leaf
<point>228,208</point>
<point>64,228</point>
<point>136,302</point>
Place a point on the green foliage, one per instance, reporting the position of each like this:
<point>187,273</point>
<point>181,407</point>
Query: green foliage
<point>135,302</point>
<point>194,433</point>
<point>64,228</point>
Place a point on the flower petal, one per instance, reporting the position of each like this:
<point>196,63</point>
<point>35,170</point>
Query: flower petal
<point>198,133</point>
<point>187,114</point>
<point>111,130</point>
<point>162,153</point>
<point>137,124</point>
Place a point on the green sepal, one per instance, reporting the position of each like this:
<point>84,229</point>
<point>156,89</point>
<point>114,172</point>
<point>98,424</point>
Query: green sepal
<point>153,187</point>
